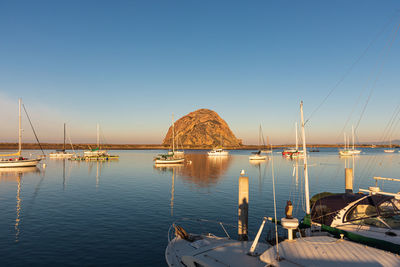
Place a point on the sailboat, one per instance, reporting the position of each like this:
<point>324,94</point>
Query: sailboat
<point>349,151</point>
<point>171,157</point>
<point>293,152</point>
<point>18,160</point>
<point>390,150</point>
<point>177,152</point>
<point>96,152</point>
<point>257,155</point>
<point>209,250</point>
<point>61,153</point>
<point>218,151</point>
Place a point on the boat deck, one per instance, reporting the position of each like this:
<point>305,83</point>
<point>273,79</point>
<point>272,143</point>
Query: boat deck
<point>212,251</point>
<point>328,251</point>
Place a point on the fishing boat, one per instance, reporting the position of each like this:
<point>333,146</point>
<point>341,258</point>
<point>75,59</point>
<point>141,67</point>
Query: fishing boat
<point>185,249</point>
<point>257,155</point>
<point>171,157</point>
<point>390,150</point>
<point>347,151</point>
<point>15,159</point>
<point>61,154</point>
<point>218,152</point>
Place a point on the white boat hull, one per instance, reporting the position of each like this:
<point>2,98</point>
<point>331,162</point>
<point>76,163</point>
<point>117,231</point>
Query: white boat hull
<point>19,163</point>
<point>169,161</point>
<point>257,157</point>
<point>389,151</point>
<point>218,153</point>
<point>60,155</point>
<point>94,153</point>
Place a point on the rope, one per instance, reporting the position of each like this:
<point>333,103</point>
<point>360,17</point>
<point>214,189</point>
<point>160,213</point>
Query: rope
<point>33,129</point>
<point>343,77</point>
<point>378,75</point>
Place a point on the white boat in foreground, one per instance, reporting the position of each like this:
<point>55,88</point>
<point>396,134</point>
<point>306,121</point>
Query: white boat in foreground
<point>17,160</point>
<point>209,250</point>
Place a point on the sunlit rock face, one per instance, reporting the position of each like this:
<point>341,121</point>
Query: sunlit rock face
<point>202,127</point>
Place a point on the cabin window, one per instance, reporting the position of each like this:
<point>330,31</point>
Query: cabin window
<point>388,209</point>
<point>361,211</point>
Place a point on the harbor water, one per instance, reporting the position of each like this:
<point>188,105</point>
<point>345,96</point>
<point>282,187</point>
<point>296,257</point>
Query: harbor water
<point>119,212</point>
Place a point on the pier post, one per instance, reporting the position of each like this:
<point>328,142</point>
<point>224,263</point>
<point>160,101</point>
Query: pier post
<point>349,180</point>
<point>243,207</point>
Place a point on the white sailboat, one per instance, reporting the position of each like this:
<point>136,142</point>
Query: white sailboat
<point>96,152</point>
<point>349,151</point>
<point>293,152</point>
<point>390,150</point>
<point>209,250</point>
<point>171,157</point>
<point>61,154</point>
<point>257,155</point>
<point>18,160</point>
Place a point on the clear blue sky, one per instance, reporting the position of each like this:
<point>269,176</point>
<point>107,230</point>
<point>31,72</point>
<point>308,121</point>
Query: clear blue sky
<point>129,64</point>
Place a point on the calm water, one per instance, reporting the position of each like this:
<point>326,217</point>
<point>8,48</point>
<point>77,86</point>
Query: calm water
<point>118,213</point>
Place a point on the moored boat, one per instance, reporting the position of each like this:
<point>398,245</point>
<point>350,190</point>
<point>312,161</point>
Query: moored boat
<point>15,160</point>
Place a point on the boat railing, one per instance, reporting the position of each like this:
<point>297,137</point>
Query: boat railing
<point>222,225</point>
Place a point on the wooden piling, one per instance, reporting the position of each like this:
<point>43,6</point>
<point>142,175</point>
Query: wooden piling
<point>243,207</point>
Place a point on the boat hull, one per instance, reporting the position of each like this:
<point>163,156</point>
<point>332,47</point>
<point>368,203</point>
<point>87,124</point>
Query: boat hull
<point>168,161</point>
<point>60,155</point>
<point>19,163</point>
<point>257,157</point>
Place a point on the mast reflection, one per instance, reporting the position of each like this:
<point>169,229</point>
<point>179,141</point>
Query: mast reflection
<point>12,174</point>
<point>170,168</point>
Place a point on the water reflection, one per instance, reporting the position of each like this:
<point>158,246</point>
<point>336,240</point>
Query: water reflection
<point>171,168</point>
<point>12,174</point>
<point>259,164</point>
<point>199,169</point>
<point>204,171</point>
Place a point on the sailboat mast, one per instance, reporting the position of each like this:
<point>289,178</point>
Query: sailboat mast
<point>98,136</point>
<point>297,143</point>
<point>173,133</point>
<point>306,187</point>
<point>259,137</point>
<point>352,130</point>
<point>19,127</point>
<point>64,137</point>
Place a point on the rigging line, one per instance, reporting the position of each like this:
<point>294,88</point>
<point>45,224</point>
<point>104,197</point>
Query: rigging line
<point>33,129</point>
<point>343,77</point>
<point>389,126</point>
<point>378,75</point>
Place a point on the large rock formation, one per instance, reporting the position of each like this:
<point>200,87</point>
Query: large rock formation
<point>202,127</point>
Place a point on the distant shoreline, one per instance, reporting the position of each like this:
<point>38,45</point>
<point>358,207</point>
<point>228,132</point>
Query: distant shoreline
<point>47,146</point>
